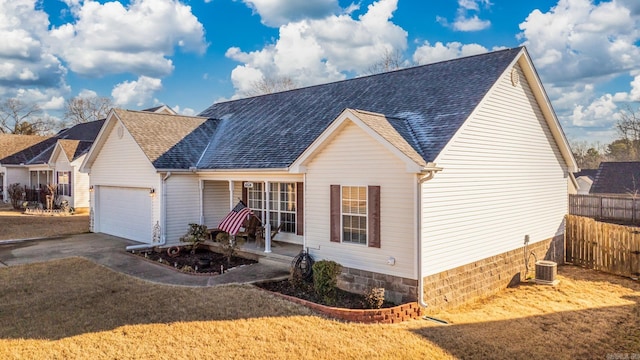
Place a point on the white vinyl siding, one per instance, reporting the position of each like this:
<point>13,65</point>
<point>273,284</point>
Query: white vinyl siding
<point>216,202</point>
<point>79,185</point>
<point>183,205</point>
<point>354,158</point>
<point>123,164</point>
<point>503,178</point>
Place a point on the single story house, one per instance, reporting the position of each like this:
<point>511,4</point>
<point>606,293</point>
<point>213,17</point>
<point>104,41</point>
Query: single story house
<point>617,178</point>
<point>11,144</point>
<point>429,181</point>
<point>54,160</point>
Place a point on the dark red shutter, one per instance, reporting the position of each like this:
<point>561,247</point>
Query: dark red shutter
<point>374,216</point>
<point>335,213</point>
<point>299,208</point>
<point>245,195</point>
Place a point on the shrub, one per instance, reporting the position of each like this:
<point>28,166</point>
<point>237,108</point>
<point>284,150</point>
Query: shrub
<point>196,235</point>
<point>325,279</point>
<point>374,298</point>
<point>16,194</point>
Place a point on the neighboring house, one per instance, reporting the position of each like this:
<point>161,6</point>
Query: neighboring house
<point>621,178</point>
<point>55,161</point>
<point>584,180</point>
<point>11,144</point>
<point>427,181</point>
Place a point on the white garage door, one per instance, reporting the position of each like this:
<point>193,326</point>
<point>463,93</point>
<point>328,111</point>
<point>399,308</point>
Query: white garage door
<point>125,212</point>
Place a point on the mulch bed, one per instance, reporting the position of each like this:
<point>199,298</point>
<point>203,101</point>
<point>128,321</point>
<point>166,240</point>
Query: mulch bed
<point>342,299</point>
<point>203,261</point>
<point>207,262</point>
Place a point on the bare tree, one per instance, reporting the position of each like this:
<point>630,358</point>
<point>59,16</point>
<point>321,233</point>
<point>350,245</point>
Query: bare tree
<point>588,156</point>
<point>628,127</point>
<point>82,109</point>
<point>389,61</point>
<point>269,85</point>
<point>18,117</point>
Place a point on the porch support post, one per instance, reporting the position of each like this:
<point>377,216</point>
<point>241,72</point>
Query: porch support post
<point>267,219</point>
<point>230,194</point>
<point>201,190</point>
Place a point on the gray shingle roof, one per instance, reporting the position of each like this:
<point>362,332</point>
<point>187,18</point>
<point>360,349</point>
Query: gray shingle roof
<point>617,178</point>
<point>425,104</point>
<point>40,152</point>
<point>169,141</point>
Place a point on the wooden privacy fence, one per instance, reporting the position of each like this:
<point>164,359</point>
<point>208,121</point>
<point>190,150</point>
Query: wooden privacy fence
<point>602,246</point>
<point>624,209</point>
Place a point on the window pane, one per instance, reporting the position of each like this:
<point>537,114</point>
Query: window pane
<point>354,214</point>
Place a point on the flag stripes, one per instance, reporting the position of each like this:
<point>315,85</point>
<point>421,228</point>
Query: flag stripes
<point>234,220</point>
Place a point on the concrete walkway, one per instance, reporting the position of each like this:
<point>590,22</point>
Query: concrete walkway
<point>110,251</point>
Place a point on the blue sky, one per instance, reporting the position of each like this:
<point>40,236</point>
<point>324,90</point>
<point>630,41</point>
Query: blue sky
<point>188,54</point>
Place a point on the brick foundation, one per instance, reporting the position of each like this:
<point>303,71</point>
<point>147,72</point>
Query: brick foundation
<point>487,276</point>
<point>397,290</point>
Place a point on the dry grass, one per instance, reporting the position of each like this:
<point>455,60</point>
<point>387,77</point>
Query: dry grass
<point>75,309</point>
<point>16,225</point>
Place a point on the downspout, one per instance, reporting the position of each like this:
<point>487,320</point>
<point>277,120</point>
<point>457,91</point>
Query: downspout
<point>163,219</point>
<point>426,175</point>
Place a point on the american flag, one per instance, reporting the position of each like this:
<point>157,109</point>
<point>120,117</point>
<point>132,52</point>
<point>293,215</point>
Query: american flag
<point>234,220</point>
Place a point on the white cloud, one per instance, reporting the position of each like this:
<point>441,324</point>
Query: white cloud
<point>111,38</point>
<point>276,13</point>
<point>427,53</point>
<point>185,111</point>
<point>466,16</point>
<point>577,39</point>
<point>46,99</point>
<point>600,113</point>
<point>470,24</point>
<point>318,51</point>
<point>578,46</point>
<point>136,92</point>
<point>25,60</point>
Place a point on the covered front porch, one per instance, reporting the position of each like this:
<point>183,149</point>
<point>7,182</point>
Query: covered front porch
<point>277,211</point>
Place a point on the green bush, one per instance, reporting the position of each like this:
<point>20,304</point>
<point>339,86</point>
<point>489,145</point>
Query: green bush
<point>325,279</point>
<point>196,235</point>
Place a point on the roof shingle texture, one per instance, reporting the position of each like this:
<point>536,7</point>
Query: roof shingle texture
<point>617,178</point>
<point>40,153</point>
<point>426,105</point>
<point>11,144</point>
<point>169,141</point>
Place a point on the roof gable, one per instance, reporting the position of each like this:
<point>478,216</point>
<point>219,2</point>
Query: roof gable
<point>378,127</point>
<point>617,178</point>
<point>168,141</point>
<point>428,104</point>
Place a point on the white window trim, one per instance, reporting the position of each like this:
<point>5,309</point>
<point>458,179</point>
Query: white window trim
<point>366,216</point>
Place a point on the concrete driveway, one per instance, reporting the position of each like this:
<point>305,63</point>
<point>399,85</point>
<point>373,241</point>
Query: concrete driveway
<point>110,251</point>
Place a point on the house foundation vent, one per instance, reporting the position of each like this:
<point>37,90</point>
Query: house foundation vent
<point>546,272</point>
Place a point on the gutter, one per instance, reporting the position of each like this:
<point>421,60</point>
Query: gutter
<point>426,174</point>
<point>163,219</point>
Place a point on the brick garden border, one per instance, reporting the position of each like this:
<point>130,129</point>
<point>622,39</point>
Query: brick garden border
<point>391,315</point>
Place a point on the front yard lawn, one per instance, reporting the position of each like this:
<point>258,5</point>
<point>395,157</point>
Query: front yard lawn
<point>74,308</point>
<point>15,224</point>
